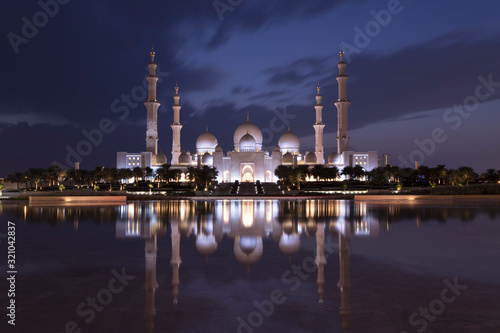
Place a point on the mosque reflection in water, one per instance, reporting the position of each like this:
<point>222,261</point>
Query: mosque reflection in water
<point>280,223</point>
<point>246,222</point>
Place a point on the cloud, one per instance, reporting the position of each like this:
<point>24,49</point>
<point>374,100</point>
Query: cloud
<point>252,16</point>
<point>32,119</point>
<point>396,84</point>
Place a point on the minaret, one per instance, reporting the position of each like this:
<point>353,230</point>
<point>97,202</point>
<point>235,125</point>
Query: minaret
<point>318,128</point>
<point>152,106</point>
<point>176,128</point>
<point>176,259</point>
<point>151,284</point>
<point>345,279</point>
<point>342,105</point>
<point>320,259</point>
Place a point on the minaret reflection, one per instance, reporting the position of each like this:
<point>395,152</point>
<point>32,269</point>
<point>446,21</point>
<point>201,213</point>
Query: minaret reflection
<point>175,260</point>
<point>350,220</point>
<point>320,259</point>
<point>344,283</point>
<point>151,284</point>
<point>140,220</point>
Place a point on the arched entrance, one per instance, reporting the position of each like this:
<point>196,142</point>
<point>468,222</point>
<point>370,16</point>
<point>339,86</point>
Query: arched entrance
<point>247,174</point>
<point>269,176</point>
<point>227,176</point>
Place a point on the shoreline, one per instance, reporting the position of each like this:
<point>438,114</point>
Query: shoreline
<point>120,198</point>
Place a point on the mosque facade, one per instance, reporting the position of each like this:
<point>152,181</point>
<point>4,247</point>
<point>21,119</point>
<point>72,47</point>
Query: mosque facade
<point>247,161</point>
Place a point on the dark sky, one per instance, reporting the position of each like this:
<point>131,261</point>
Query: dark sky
<point>411,66</point>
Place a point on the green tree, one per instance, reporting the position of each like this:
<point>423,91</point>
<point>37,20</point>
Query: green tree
<point>164,173</point>
<point>55,174</point>
<point>348,171</point>
<point>148,172</point>
<point>332,173</point>
<point>202,177</point>
<point>16,177</point>
<point>318,171</point>
<point>35,175</point>
<point>378,176</point>
<point>491,176</point>
<point>358,172</point>
<point>283,172</point>
<point>467,174</point>
<point>138,173</point>
<point>407,175</point>
<point>453,177</point>
<point>110,175</point>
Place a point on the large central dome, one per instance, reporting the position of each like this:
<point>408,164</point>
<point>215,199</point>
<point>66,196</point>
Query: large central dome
<point>247,128</point>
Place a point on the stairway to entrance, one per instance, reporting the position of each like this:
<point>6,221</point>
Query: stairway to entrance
<point>248,189</point>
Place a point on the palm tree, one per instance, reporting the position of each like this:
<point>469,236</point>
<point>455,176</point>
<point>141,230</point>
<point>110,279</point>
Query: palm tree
<point>35,175</point>
<point>110,175</point>
<point>298,175</point>
<point>358,172</point>
<point>176,174</point>
<point>318,171</point>
<point>202,177</point>
<point>407,175</point>
<point>138,173</point>
<point>164,173</point>
<point>97,175</point>
<point>283,172</point>
<point>53,174</point>
<point>148,172</point>
<point>16,177</point>
<point>123,174</point>
<point>491,175</point>
<point>378,176</point>
<point>348,171</point>
<point>332,173</point>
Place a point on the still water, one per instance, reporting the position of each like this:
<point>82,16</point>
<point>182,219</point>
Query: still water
<point>254,266</point>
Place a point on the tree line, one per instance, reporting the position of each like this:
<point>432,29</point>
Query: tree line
<point>205,176</point>
<point>438,175</point>
<point>56,176</point>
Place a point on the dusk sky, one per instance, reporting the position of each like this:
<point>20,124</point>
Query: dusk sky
<point>411,66</point>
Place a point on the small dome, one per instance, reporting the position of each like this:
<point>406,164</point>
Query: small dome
<point>277,148</point>
<point>311,228</point>
<point>207,159</point>
<point>288,227</point>
<point>332,158</point>
<point>311,158</point>
<point>161,158</point>
<point>248,143</point>
<point>248,250</point>
<point>206,142</point>
<point>218,148</point>
<point>184,158</point>
<point>248,244</point>
<point>287,159</point>
<point>290,244</point>
<point>247,128</point>
<point>205,244</point>
<point>289,142</point>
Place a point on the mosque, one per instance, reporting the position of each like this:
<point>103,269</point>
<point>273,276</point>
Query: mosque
<point>247,161</point>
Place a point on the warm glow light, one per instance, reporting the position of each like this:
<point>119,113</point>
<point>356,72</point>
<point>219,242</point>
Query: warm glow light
<point>247,213</point>
<point>226,211</point>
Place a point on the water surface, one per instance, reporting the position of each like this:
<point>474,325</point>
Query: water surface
<point>255,266</point>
